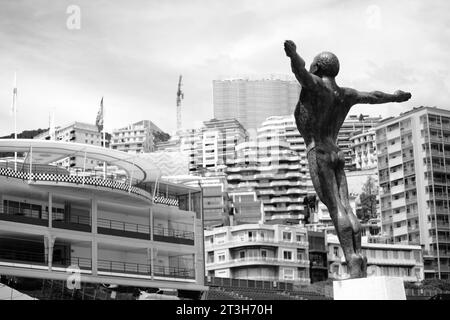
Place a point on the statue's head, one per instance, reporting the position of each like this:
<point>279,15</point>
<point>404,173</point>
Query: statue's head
<point>325,64</point>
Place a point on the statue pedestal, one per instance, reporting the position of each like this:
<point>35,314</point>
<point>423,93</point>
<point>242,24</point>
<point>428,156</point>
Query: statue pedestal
<point>373,288</point>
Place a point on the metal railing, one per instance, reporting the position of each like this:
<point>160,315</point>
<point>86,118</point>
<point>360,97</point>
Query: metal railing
<point>145,269</point>
<point>123,226</point>
<point>22,256</point>
<point>123,267</point>
<point>81,262</point>
<point>173,233</point>
<point>77,219</point>
<point>173,272</point>
<point>24,213</point>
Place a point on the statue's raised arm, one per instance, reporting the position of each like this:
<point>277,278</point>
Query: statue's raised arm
<point>376,97</point>
<point>298,65</point>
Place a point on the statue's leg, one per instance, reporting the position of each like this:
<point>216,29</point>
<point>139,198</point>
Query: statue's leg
<point>325,184</point>
<point>360,263</point>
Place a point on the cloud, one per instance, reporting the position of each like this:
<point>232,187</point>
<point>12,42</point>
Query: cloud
<point>133,52</point>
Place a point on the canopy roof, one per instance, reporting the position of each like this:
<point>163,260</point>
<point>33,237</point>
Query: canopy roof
<point>47,151</point>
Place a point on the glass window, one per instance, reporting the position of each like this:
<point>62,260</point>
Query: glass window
<point>286,236</point>
<point>287,255</point>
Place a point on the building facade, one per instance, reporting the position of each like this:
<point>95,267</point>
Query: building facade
<point>318,251</point>
<point>76,132</point>
<point>364,150</point>
<point>352,124</point>
<point>209,147</point>
<point>272,169</point>
<point>54,224</point>
<point>258,252</point>
<point>251,101</point>
<point>139,137</point>
<point>393,260</point>
<point>413,166</point>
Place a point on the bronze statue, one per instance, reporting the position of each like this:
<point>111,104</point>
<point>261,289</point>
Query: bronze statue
<point>320,112</point>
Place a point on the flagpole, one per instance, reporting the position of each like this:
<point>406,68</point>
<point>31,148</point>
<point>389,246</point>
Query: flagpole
<point>15,116</point>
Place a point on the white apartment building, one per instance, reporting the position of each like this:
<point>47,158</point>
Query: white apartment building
<point>76,132</point>
<point>364,149</point>
<point>414,176</point>
<point>352,124</point>
<point>138,137</point>
<point>393,260</point>
<point>258,252</point>
<point>137,232</point>
<point>209,148</point>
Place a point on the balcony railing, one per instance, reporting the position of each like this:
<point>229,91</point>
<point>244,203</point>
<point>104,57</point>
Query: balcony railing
<point>173,235</point>
<point>23,216</point>
<point>260,259</point>
<point>72,222</point>
<point>125,229</point>
<point>80,262</point>
<point>123,267</point>
<point>16,256</point>
<point>173,272</point>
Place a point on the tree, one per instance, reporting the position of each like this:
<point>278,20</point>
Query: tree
<point>368,199</point>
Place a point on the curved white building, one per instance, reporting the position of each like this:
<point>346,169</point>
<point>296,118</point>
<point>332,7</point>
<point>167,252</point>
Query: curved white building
<point>130,231</point>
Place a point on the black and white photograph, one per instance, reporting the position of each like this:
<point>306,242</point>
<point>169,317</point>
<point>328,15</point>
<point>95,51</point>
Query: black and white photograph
<point>236,157</point>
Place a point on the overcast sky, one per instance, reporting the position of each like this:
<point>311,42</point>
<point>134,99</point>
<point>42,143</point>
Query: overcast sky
<point>132,52</point>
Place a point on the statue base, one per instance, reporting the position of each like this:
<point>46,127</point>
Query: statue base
<point>373,288</point>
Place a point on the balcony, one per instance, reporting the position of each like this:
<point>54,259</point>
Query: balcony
<point>130,268</point>
<point>396,175</point>
<point>391,261</point>
<point>397,217</point>
<point>403,230</point>
<point>395,161</point>
<point>24,216</point>
<point>440,239</point>
<point>440,225</point>
<point>398,203</point>
<point>38,260</point>
<point>123,267</point>
<point>261,260</point>
<point>173,236</point>
<point>123,229</point>
<point>72,222</point>
<point>398,189</point>
<point>411,200</point>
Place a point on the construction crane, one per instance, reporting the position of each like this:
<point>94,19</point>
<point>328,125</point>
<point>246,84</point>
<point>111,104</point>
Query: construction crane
<point>180,95</point>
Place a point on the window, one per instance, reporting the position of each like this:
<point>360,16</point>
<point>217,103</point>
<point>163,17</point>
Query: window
<point>287,255</point>
<point>286,236</point>
<point>221,257</point>
<point>264,254</point>
<point>299,238</point>
<point>242,254</point>
<point>288,274</point>
<point>336,251</point>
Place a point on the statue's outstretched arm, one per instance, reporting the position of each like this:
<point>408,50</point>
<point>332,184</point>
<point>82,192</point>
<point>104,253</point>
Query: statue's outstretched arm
<point>377,97</point>
<point>298,65</point>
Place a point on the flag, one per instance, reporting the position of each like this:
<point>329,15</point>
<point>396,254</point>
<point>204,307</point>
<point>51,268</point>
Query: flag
<point>99,120</point>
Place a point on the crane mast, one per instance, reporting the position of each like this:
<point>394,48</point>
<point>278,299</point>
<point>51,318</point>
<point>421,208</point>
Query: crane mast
<point>180,95</point>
